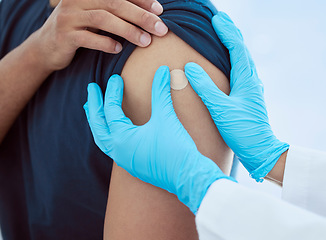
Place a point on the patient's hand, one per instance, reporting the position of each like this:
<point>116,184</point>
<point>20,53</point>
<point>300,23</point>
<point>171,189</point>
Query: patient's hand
<point>66,29</point>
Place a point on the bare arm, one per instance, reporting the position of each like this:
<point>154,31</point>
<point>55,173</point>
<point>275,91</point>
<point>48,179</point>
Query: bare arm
<point>137,210</point>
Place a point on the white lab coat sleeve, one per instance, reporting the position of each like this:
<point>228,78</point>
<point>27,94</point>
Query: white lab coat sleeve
<point>231,211</point>
<point>304,182</point>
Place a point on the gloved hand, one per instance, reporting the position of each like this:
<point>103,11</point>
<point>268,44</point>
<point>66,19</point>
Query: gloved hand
<point>161,152</point>
<point>241,117</point>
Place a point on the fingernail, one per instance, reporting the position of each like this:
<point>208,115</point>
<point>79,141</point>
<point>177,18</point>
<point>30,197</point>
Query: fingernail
<point>145,39</point>
<point>118,47</point>
<point>157,8</point>
<point>160,28</point>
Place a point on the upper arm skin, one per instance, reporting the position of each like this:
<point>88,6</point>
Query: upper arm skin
<point>137,210</point>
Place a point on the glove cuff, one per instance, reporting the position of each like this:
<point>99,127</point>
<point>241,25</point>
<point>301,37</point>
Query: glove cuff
<point>192,185</point>
<point>273,154</point>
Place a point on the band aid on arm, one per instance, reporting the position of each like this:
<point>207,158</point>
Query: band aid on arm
<point>178,79</point>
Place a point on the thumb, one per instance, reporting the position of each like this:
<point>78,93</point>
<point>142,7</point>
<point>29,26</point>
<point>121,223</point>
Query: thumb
<point>95,116</point>
<point>112,105</point>
<point>161,94</point>
<point>204,86</point>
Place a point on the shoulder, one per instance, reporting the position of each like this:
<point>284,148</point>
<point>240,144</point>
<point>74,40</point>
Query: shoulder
<point>140,68</point>
<point>173,52</point>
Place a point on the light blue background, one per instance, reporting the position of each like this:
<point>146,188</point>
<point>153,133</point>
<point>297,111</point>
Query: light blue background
<point>288,42</point>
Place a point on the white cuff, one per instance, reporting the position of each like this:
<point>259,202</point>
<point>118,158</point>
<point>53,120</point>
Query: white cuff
<point>304,179</point>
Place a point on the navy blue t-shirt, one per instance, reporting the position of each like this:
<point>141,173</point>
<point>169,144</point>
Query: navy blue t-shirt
<point>53,179</point>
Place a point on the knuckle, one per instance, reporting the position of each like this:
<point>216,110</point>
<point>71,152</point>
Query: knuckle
<point>58,27</point>
<point>144,3</point>
<point>146,18</point>
<point>114,4</point>
<point>95,17</point>
<point>131,33</point>
<point>62,18</point>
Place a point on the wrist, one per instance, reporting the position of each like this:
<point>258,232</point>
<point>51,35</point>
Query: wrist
<point>277,173</point>
<point>193,183</point>
<point>262,163</point>
<point>35,57</point>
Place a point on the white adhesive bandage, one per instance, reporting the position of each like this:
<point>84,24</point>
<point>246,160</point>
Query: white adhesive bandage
<point>178,79</point>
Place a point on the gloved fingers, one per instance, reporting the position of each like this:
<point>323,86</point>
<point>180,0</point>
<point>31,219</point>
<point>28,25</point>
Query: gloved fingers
<point>114,114</point>
<point>95,115</point>
<point>204,86</point>
<point>232,39</point>
<point>161,94</point>
<point>254,71</point>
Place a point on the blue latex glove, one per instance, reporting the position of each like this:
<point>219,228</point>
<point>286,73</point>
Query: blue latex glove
<point>241,117</point>
<point>161,152</point>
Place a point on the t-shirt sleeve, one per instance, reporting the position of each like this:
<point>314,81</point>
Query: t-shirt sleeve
<point>190,20</point>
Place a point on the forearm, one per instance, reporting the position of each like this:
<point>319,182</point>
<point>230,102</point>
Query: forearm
<point>21,73</point>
